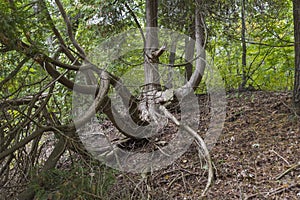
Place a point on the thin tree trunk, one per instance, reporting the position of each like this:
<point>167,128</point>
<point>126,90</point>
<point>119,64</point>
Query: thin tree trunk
<point>189,53</point>
<point>152,80</point>
<point>296,93</point>
<point>244,48</point>
<point>200,42</point>
<point>172,57</point>
<point>200,53</point>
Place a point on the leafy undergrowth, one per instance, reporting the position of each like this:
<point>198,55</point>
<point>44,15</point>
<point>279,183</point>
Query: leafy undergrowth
<point>256,157</point>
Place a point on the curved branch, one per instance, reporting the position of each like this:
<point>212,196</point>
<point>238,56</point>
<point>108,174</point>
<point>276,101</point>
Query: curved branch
<point>200,55</point>
<point>101,94</point>
<point>60,64</point>
<point>137,23</point>
<point>57,34</point>
<point>69,29</point>
<point>68,83</point>
<point>103,103</point>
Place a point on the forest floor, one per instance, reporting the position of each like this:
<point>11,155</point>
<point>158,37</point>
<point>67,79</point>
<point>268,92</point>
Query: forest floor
<point>257,156</point>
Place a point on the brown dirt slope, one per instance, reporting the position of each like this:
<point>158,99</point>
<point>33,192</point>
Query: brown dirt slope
<point>260,141</point>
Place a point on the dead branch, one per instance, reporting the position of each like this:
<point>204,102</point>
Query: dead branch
<point>282,189</point>
<point>159,52</point>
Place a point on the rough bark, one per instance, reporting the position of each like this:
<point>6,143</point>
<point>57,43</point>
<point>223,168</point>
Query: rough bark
<point>296,92</point>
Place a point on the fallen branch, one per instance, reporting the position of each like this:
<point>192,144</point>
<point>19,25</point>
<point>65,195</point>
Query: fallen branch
<point>200,141</point>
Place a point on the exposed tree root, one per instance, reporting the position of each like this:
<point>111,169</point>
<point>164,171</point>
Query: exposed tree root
<point>201,143</point>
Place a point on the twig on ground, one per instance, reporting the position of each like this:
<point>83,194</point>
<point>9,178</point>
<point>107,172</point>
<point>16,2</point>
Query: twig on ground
<point>173,181</point>
<point>282,189</point>
<point>273,192</point>
<point>183,180</point>
<point>92,195</point>
<point>254,195</point>
<point>280,157</point>
<point>294,166</point>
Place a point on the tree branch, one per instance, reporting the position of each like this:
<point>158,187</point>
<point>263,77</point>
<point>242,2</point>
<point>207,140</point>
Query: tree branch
<point>69,29</point>
<point>50,163</point>
<point>24,141</point>
<point>13,73</point>
<point>57,34</point>
<point>137,23</point>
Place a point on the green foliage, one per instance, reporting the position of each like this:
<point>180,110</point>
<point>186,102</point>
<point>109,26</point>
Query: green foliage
<point>79,182</point>
<point>269,66</point>
<point>177,15</point>
<point>269,38</point>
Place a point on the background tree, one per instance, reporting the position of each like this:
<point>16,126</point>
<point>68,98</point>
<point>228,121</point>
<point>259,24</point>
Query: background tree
<point>296,11</point>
